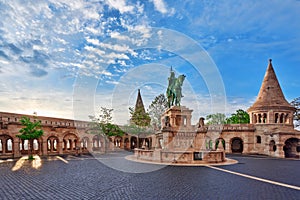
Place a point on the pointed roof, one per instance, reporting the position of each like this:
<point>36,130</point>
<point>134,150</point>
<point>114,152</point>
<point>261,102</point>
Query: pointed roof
<point>139,102</point>
<point>270,94</point>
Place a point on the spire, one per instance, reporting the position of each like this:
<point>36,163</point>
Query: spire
<point>270,94</point>
<point>139,102</point>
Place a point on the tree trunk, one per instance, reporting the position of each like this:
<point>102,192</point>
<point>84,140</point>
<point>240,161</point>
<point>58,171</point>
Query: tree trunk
<point>30,142</point>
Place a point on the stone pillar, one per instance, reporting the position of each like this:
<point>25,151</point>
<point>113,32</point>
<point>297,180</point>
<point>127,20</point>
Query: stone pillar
<point>44,148</point>
<point>60,147</point>
<point>89,145</point>
<point>16,149</point>
<point>173,121</point>
<point>157,143</point>
<point>189,121</point>
<point>279,150</point>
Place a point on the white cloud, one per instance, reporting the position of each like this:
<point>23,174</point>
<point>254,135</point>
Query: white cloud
<point>120,5</point>
<point>160,6</point>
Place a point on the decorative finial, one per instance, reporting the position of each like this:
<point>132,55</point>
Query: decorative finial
<point>171,68</point>
<point>270,61</point>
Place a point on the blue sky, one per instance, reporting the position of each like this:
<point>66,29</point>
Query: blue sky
<point>67,58</point>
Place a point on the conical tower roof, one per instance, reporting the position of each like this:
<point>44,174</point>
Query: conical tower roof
<point>139,105</point>
<point>270,95</point>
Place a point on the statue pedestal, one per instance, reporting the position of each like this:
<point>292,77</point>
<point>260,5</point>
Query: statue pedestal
<point>178,117</point>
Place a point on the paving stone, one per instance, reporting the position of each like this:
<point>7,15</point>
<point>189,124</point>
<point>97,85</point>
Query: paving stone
<point>88,178</point>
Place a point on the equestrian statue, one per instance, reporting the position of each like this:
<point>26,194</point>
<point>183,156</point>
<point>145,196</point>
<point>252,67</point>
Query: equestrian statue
<point>174,93</point>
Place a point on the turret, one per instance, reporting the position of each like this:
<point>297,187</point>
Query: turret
<point>271,107</point>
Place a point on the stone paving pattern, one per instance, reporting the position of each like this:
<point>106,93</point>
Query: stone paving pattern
<point>87,178</point>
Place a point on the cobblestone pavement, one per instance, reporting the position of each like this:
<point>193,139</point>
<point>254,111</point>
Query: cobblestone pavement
<point>88,178</point>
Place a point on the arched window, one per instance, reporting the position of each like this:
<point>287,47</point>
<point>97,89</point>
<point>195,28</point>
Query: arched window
<point>258,139</point>
<point>272,146</point>
<point>1,148</point>
<point>287,120</point>
<point>35,144</point>
<point>68,144</point>
<point>265,118</point>
<point>21,146</point>
<point>9,145</point>
<point>259,118</point>
<point>254,119</point>
<point>276,118</point>
<point>210,144</point>
<point>55,145</point>
<point>25,144</point>
<point>281,118</point>
<point>95,143</point>
<point>49,145</point>
<point>74,144</point>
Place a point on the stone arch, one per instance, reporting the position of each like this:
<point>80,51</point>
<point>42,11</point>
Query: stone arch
<point>84,144</point>
<point>36,145</point>
<point>292,148</point>
<point>287,119</point>
<point>70,143</point>
<point>148,143</point>
<point>237,145</point>
<point>6,143</point>
<point>281,119</point>
<point>126,143</point>
<point>98,143</point>
<point>208,143</point>
<point>218,141</point>
<point>272,146</point>
<point>258,139</point>
<point>118,142</point>
<point>133,142</point>
<point>264,118</point>
<point>276,118</point>
<point>254,118</point>
<point>52,144</point>
<point>259,118</point>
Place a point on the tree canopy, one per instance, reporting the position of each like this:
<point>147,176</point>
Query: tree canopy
<point>296,104</point>
<point>103,124</point>
<point>31,130</point>
<point>218,118</point>
<point>240,117</point>
<point>139,117</point>
<point>157,108</point>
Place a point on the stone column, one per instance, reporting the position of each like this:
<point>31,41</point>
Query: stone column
<point>173,121</point>
<point>89,145</point>
<point>60,147</point>
<point>16,149</point>
<point>44,148</point>
<point>279,150</point>
<point>188,120</point>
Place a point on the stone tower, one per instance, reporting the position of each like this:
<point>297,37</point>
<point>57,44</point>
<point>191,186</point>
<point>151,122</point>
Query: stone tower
<point>271,106</point>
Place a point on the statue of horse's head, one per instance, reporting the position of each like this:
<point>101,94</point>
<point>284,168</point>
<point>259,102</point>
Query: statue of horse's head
<point>181,78</point>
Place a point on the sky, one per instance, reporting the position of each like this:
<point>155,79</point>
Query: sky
<point>62,58</point>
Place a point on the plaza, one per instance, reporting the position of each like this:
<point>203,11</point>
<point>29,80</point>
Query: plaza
<point>88,177</point>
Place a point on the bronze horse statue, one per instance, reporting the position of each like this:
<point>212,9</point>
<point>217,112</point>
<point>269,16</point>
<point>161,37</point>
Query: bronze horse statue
<point>174,90</point>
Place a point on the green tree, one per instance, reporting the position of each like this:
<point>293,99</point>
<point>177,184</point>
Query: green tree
<point>103,124</point>
<point>139,117</point>
<point>240,117</point>
<point>218,118</point>
<point>157,108</point>
<point>30,132</point>
<point>296,104</point>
